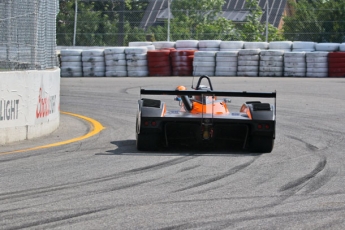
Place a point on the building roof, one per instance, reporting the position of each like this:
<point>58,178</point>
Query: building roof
<point>234,10</point>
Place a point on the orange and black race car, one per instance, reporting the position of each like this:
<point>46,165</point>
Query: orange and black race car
<point>204,120</point>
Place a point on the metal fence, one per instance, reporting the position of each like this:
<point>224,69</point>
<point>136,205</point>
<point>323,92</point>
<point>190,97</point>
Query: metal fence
<point>28,34</point>
<point>117,22</point>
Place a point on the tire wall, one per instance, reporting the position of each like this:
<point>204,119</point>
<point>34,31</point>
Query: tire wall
<point>189,57</point>
<point>29,104</point>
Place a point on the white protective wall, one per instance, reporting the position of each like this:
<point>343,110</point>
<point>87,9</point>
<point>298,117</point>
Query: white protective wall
<point>29,104</point>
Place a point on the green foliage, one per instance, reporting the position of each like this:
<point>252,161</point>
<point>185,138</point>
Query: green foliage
<point>199,19</point>
<point>202,20</point>
<point>253,29</point>
<point>116,22</point>
<point>319,21</point>
<point>98,22</point>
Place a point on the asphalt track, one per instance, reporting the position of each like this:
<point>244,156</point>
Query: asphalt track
<point>103,182</point>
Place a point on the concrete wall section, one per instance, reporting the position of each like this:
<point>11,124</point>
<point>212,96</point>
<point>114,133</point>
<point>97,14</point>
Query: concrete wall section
<point>29,104</point>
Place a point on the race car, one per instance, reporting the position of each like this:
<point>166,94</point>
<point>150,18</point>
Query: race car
<point>204,120</point>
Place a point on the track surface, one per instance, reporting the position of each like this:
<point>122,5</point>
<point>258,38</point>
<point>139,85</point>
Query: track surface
<point>104,183</point>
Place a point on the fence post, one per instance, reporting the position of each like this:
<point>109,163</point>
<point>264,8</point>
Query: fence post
<point>120,38</point>
<point>168,33</point>
<point>34,34</point>
<point>75,21</point>
<point>8,35</point>
<point>267,14</point>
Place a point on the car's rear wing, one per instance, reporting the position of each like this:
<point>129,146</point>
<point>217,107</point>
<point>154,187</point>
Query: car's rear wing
<point>212,93</point>
<point>208,93</point>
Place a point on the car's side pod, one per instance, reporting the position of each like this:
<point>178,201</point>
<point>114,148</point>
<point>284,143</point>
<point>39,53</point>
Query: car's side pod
<point>261,111</point>
<point>151,107</point>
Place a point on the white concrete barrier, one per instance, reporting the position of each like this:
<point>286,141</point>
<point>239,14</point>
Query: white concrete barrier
<point>29,104</point>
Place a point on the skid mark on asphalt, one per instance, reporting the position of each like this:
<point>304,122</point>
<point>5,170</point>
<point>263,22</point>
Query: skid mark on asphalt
<point>222,176</point>
<point>311,181</point>
<point>58,219</point>
<point>297,184</point>
<point>37,192</point>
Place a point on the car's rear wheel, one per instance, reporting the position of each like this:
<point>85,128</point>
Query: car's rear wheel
<point>147,142</point>
<point>261,144</point>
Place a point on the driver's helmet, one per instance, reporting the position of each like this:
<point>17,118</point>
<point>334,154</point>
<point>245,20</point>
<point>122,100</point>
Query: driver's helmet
<point>198,97</point>
<point>180,88</point>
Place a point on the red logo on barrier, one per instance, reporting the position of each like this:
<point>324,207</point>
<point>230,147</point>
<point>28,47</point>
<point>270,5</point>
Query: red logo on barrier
<point>45,106</point>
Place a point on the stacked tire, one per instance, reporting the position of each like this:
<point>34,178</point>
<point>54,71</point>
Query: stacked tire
<point>248,62</point>
<point>93,63</point>
<point>231,45</point>
<point>336,64</point>
<point>148,45</point>
<point>159,62</point>
<point>163,45</point>
<point>317,64</point>
<point>71,64</point>
<point>342,47</point>
<point>136,61</point>
<point>115,62</point>
<point>255,45</point>
<point>182,62</point>
<point>204,63</point>
<point>226,63</point>
<point>187,44</point>
<point>303,46</point>
<point>327,47</point>
<point>295,64</point>
<point>209,45</point>
<point>281,45</point>
<point>271,63</point>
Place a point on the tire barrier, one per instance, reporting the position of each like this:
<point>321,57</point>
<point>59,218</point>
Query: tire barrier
<point>226,63</point>
<point>71,64</point>
<point>234,58</point>
<point>209,45</point>
<point>336,64</point>
<point>204,63</point>
<point>182,62</point>
<point>231,45</point>
<point>148,45</point>
<point>115,62</point>
<point>303,46</point>
<point>271,63</point>
<point>329,47</point>
<point>187,45</point>
<point>159,62</point>
<point>164,45</point>
<point>342,47</point>
<point>136,61</point>
<point>295,64</point>
<point>317,64</point>
<point>93,63</point>
<point>256,45</point>
<point>283,45</point>
<point>248,62</point>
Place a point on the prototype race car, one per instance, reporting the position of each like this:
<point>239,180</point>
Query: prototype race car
<point>204,120</point>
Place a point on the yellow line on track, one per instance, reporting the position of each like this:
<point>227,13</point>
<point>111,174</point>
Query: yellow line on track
<point>96,127</point>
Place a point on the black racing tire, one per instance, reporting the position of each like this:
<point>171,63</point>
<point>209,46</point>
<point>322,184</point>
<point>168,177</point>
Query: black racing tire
<point>147,142</point>
<point>261,144</point>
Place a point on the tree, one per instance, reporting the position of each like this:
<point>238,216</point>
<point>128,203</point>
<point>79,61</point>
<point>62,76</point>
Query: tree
<point>202,20</point>
<point>94,28</point>
<point>319,21</point>
<point>101,23</point>
<point>253,29</point>
<point>199,19</point>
